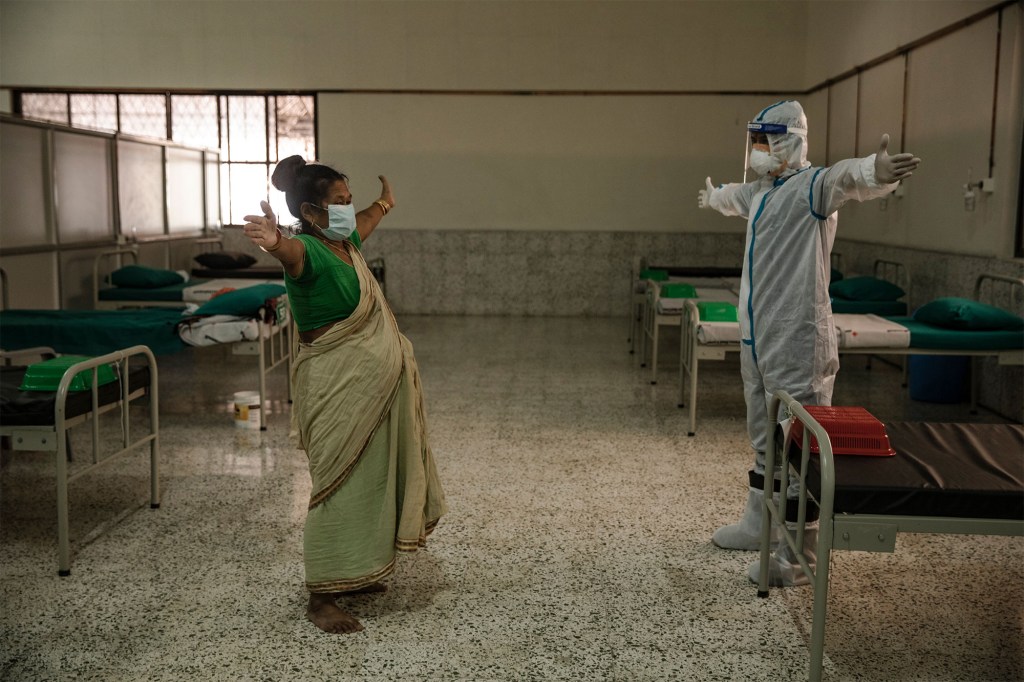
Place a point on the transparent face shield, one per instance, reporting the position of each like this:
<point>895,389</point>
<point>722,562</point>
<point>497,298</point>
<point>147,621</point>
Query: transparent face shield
<point>757,132</point>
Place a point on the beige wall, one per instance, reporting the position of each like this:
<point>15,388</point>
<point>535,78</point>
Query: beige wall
<point>842,34</point>
<point>961,110</point>
<point>396,44</point>
<point>605,161</point>
<point>540,163</point>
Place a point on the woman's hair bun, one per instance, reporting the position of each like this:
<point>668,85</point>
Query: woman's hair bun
<point>286,173</point>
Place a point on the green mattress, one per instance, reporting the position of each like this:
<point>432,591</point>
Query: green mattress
<point>171,292</point>
<point>883,308</point>
<point>91,332</point>
<point>929,336</point>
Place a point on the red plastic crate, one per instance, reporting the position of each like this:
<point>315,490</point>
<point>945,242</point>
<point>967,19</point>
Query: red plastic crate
<point>852,431</point>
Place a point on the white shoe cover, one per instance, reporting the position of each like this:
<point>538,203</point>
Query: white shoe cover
<point>746,534</point>
<point>783,568</point>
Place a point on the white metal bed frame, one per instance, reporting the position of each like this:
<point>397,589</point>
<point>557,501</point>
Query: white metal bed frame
<point>863,532</point>
<point>653,321</point>
<point>692,351</point>
<point>273,348</point>
<point>120,254</point>
<point>636,302</point>
<point>53,437</point>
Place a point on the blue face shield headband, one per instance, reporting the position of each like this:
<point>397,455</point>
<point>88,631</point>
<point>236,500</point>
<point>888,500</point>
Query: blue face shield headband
<point>774,129</point>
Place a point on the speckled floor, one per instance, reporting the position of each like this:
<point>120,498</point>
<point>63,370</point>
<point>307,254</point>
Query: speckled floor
<point>577,545</point>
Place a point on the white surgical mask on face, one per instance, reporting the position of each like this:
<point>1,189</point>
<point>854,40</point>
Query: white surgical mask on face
<point>763,162</point>
<point>341,221</point>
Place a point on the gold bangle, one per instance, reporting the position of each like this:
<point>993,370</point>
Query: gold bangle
<point>384,206</point>
<point>277,244</point>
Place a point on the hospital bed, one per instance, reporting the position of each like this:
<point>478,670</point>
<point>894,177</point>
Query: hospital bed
<point>266,332</point>
<point>639,275</point>
<point>233,267</point>
<point>39,420</point>
<point>885,292</point>
<point>137,287</point>
<point>944,478</point>
<point>214,262</point>
<point>712,341</point>
<point>663,309</point>
<point>859,334</point>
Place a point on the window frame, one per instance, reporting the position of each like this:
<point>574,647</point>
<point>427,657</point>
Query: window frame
<point>223,99</point>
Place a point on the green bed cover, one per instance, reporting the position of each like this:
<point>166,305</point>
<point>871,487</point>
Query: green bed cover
<point>929,336</point>
<point>171,292</point>
<point>92,332</point>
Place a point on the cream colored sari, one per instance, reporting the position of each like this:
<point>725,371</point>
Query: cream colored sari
<point>358,413</point>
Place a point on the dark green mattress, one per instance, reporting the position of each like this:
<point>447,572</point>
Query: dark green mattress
<point>929,336</point>
<point>883,308</point>
<point>172,292</point>
<point>92,332</point>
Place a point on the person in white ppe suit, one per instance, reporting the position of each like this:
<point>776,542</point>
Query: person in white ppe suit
<point>785,315</point>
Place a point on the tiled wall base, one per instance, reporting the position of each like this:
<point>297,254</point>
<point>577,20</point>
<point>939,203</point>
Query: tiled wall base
<point>587,274</point>
<point>527,273</point>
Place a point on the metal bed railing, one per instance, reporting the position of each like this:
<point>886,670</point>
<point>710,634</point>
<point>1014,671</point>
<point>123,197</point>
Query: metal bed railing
<point>872,532</point>
<point>54,437</point>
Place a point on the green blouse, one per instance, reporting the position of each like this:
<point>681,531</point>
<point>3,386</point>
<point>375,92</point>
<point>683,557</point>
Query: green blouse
<point>328,288</point>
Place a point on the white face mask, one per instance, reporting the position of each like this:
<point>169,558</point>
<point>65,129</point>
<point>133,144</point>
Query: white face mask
<point>764,163</point>
<point>341,221</point>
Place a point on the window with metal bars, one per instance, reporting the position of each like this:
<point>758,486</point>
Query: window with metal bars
<point>253,132</point>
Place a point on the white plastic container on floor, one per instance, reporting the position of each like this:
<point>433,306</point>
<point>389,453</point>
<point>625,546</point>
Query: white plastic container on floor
<point>247,409</point>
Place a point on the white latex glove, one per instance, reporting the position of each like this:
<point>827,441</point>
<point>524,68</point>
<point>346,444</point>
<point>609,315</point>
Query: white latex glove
<point>704,195</point>
<point>890,169</point>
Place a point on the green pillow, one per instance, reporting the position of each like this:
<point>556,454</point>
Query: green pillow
<point>678,290</point>
<point>244,302</point>
<point>865,289</point>
<point>144,277</point>
<point>963,313</point>
<point>655,274</point>
<point>835,276</point>
<point>716,311</point>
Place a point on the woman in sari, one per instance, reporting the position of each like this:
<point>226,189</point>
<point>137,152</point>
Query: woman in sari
<point>358,409</point>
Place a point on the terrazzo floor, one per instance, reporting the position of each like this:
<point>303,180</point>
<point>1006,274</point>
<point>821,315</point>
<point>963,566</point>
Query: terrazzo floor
<point>576,546</point>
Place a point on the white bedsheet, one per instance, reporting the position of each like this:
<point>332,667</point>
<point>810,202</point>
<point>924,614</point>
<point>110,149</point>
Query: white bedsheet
<point>852,331</point>
<point>870,331</point>
<point>718,332</point>
<point>674,306</point>
<point>215,329</point>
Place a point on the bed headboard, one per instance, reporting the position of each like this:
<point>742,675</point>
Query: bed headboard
<point>836,260</point>
<point>895,272</point>
<point>208,244</point>
<point>1003,291</point>
<point>101,268</point>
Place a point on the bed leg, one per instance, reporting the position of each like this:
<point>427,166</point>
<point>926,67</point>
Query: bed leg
<point>693,391</point>
<point>820,608</point>
<point>972,376</point>
<point>263,369</point>
<point>683,349</point>
<point>654,350</point>
<point>63,548</point>
<point>154,474</point>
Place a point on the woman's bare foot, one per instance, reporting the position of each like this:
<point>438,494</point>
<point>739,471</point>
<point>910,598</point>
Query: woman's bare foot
<point>327,616</point>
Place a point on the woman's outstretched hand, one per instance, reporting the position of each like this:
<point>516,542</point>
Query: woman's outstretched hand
<point>385,191</point>
<point>262,229</point>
